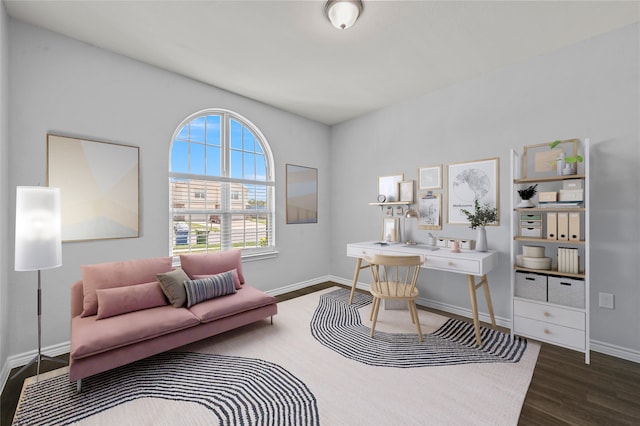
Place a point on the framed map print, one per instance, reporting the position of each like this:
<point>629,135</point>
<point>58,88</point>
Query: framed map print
<point>470,181</point>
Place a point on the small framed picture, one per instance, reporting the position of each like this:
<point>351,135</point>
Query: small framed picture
<point>390,229</point>
<point>430,211</point>
<point>430,177</point>
<point>388,186</point>
<point>406,191</point>
<point>540,160</point>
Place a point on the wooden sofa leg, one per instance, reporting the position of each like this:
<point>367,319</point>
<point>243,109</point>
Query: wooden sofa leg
<point>79,386</point>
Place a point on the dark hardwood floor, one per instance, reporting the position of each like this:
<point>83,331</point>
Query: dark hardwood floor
<point>564,390</point>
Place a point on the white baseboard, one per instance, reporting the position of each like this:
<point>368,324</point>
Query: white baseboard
<point>23,358</point>
<point>615,351</point>
<point>298,286</point>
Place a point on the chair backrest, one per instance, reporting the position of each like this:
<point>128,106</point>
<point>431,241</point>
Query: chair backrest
<point>395,276</point>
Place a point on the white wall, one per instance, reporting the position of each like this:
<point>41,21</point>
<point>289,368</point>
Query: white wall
<point>67,87</point>
<point>589,89</point>
<point>4,191</point>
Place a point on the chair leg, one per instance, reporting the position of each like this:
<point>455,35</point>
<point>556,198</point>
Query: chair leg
<point>414,310</point>
<point>413,318</point>
<point>375,315</point>
<point>373,307</point>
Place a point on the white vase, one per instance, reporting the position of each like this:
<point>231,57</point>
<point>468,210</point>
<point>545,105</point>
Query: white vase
<point>481,239</point>
<point>526,204</point>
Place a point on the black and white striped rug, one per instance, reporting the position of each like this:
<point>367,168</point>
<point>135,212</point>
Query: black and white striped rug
<point>337,325</point>
<point>235,390</point>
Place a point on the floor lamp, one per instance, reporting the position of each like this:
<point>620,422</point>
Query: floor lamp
<point>38,243</point>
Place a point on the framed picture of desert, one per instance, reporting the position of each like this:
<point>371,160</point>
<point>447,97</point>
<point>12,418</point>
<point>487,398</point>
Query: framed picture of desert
<point>99,187</point>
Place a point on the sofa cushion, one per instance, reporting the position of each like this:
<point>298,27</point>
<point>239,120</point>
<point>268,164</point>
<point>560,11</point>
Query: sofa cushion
<point>212,263</point>
<point>91,336</point>
<point>245,299</point>
<point>172,284</point>
<point>121,300</point>
<point>234,274</point>
<point>118,274</point>
<point>207,288</point>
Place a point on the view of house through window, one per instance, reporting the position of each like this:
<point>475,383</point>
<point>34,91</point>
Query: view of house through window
<point>221,185</point>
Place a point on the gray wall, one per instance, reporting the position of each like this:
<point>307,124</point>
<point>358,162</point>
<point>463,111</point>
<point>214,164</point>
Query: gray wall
<point>587,90</point>
<point>67,87</point>
<point>4,188</point>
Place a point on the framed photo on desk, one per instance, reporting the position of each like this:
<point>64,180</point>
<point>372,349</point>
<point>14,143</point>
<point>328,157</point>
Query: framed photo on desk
<point>390,229</point>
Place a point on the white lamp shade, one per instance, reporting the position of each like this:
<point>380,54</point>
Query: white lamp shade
<point>38,228</point>
<point>343,13</point>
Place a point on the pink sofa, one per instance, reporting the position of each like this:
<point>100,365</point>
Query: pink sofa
<point>120,312</point>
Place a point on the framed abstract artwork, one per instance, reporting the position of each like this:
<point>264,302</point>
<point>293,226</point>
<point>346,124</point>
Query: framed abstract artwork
<point>430,177</point>
<point>99,187</point>
<point>302,194</point>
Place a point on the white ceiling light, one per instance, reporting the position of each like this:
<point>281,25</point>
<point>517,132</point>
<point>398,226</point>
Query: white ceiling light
<point>343,13</point>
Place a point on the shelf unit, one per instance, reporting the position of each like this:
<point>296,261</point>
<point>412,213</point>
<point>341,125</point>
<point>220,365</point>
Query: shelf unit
<point>548,305</point>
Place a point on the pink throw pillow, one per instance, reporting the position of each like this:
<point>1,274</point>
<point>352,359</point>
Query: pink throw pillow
<point>234,275</point>
<point>120,300</point>
<point>206,264</point>
<point>118,274</point>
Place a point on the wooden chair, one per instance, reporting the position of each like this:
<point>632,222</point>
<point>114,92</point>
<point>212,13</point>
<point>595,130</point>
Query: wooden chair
<point>395,278</point>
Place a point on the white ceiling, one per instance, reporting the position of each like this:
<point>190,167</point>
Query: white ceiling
<point>287,54</point>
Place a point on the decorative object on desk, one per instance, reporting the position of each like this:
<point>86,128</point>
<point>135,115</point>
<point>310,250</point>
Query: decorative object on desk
<point>430,208</point>
<point>302,194</point>
<point>38,244</point>
<point>455,246</point>
<point>99,187</point>
<point>405,188</point>
<point>565,165</point>
<point>430,177</point>
<point>388,186</point>
<point>473,180</point>
<point>390,229</point>
<point>526,194</point>
<point>431,239</point>
<point>410,215</point>
<point>481,217</point>
<point>541,161</point>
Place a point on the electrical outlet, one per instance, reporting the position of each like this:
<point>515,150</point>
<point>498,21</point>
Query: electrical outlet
<point>605,300</point>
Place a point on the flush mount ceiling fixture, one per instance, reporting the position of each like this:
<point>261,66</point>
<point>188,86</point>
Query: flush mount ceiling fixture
<point>343,13</point>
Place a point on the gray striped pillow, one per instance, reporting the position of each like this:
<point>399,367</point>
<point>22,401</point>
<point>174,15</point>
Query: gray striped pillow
<point>207,288</point>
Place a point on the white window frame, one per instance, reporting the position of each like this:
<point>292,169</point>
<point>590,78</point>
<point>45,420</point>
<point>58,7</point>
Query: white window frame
<point>225,212</point>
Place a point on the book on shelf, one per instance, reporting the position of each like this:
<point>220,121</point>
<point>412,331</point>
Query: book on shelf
<point>560,204</point>
<point>568,260</point>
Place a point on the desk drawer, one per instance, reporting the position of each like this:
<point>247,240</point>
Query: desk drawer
<point>549,314</point>
<point>454,265</point>
<point>353,251</point>
<point>565,336</point>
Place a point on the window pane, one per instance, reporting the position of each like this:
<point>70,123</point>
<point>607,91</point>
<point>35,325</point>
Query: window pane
<point>236,164</point>
<point>180,157</point>
<point>249,166</point>
<point>236,134</point>
<point>213,130</point>
<point>196,157</point>
<point>259,148</point>
<point>261,168</point>
<point>183,134</point>
<point>249,141</point>
<point>196,130</point>
<point>213,161</point>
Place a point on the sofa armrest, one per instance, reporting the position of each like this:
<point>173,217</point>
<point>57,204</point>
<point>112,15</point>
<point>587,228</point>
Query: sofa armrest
<point>77,299</point>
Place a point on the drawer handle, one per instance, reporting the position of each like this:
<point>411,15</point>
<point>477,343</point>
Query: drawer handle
<point>546,331</point>
<point>547,314</point>
<point>451,264</point>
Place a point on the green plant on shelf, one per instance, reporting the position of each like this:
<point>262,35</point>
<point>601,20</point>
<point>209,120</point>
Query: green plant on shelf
<point>577,159</point>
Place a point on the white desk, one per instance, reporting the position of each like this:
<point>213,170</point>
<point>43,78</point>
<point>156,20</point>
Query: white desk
<point>470,263</point>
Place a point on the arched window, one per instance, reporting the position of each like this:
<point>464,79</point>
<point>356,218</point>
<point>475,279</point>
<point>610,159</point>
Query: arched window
<point>221,185</point>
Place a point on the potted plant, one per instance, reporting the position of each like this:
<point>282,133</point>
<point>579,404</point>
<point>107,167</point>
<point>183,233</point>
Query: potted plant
<point>481,217</point>
<point>526,194</point>
<point>564,164</point>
